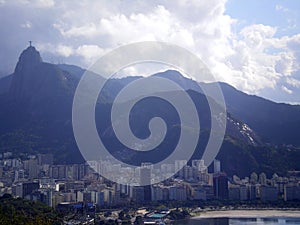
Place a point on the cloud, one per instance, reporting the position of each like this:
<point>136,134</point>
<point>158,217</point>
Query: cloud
<point>45,3</point>
<point>293,82</point>
<point>249,67</point>
<point>285,89</point>
<point>285,64</point>
<point>260,60</point>
<point>59,49</point>
<point>64,50</point>
<point>27,24</point>
<point>279,7</point>
<point>256,36</point>
<point>88,30</point>
<point>90,53</point>
<point>252,59</point>
<point>30,3</point>
<point>293,46</point>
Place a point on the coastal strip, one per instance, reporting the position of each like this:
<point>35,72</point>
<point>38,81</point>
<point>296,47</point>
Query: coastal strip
<point>249,214</point>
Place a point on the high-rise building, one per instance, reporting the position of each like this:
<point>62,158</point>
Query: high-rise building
<point>189,173</point>
<point>234,192</point>
<point>156,193</point>
<point>69,197</point>
<point>179,164</point>
<point>217,166</point>
<point>199,165</point>
<point>291,193</point>
<point>145,180</point>
<point>45,159</point>
<point>253,178</point>
<point>178,193</point>
<point>204,177</point>
<point>199,193</point>
<point>268,193</point>
<point>145,176</point>
<point>251,192</point>
<point>243,193</point>
<point>262,179</point>
<point>46,196</point>
<point>220,184</point>
<point>53,172</point>
<point>167,168</point>
<point>29,187</point>
<point>209,190</point>
<point>57,198</point>
<point>138,193</point>
<point>61,171</point>
<point>33,168</point>
<point>100,198</point>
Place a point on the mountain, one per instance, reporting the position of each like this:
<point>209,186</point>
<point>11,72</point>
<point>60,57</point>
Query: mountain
<point>5,84</point>
<point>275,123</point>
<point>36,116</point>
<point>36,108</point>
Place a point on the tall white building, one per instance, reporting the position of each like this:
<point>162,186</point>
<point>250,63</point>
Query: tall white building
<point>199,165</point>
<point>179,165</point>
<point>262,179</point>
<point>145,174</point>
<point>217,166</point>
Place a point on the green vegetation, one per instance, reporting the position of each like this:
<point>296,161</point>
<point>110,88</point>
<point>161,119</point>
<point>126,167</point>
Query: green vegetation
<point>19,211</point>
<point>179,214</point>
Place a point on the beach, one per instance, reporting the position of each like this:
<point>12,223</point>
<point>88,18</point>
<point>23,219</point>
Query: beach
<point>249,214</point>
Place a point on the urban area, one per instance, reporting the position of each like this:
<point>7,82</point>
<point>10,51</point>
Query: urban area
<point>80,186</point>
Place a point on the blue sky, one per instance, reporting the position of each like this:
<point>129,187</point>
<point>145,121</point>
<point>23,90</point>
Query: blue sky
<point>281,14</point>
<point>285,17</point>
<point>252,45</point>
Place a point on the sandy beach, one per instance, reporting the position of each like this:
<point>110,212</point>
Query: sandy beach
<point>249,214</point>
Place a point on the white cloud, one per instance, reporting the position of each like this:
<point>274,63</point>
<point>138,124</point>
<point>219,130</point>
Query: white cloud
<point>59,49</point>
<point>27,24</point>
<point>88,30</point>
<point>90,53</point>
<point>279,7</point>
<point>46,3</point>
<point>259,59</point>
<point>285,89</point>
<point>64,50</point>
<point>293,45</point>
<point>32,3</point>
<point>252,60</point>
<point>293,82</point>
<point>257,35</point>
<point>249,67</point>
<point>285,63</point>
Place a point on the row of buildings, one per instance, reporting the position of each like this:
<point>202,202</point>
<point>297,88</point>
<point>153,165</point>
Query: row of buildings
<point>37,178</point>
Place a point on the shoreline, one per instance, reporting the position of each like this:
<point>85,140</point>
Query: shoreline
<point>276,213</point>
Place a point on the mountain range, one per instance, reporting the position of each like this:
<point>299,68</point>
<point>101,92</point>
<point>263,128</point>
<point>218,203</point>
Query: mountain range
<point>36,117</point>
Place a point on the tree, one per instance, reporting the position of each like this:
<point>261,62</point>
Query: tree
<point>138,220</point>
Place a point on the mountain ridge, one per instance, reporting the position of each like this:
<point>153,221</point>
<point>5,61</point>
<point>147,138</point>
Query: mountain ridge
<point>39,119</point>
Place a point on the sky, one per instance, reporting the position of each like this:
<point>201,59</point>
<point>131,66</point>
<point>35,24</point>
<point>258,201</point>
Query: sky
<point>252,45</point>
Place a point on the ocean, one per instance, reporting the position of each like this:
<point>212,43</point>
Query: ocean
<point>241,221</point>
